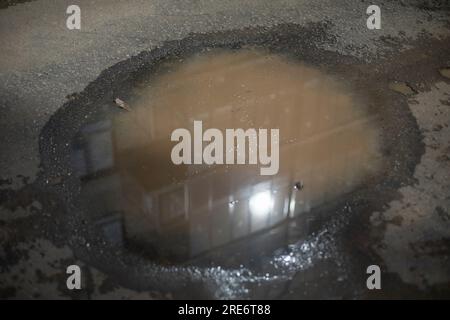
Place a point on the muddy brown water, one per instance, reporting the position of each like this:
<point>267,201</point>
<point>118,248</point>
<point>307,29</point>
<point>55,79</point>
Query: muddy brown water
<point>329,144</point>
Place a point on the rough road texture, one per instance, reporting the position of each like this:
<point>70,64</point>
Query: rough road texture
<point>42,62</point>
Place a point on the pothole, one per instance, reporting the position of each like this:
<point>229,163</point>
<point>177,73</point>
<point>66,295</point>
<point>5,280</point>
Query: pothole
<point>328,142</point>
<point>151,224</point>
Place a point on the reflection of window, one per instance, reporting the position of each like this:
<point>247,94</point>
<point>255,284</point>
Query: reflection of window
<point>93,150</point>
<point>111,226</point>
<point>172,205</point>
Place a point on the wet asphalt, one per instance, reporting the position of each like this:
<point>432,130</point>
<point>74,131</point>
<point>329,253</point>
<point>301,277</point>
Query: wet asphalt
<point>53,81</point>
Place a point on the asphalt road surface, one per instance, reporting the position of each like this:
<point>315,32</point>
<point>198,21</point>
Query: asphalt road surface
<point>51,76</point>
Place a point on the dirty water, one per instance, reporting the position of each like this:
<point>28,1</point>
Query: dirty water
<point>329,144</point>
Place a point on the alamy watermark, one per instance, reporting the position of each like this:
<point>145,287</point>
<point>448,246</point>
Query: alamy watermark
<point>73,21</point>
<point>237,142</point>
<point>74,279</point>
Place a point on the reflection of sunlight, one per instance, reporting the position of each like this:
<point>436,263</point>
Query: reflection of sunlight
<point>261,203</point>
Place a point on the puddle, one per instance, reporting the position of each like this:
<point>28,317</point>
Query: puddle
<point>137,196</point>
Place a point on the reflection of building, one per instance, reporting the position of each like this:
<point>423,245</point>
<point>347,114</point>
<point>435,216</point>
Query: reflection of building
<point>195,216</point>
<point>181,211</point>
<point>192,215</point>
<point>93,161</point>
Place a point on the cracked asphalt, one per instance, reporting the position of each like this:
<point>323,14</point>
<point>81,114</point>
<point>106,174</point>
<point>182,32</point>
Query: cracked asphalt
<point>44,66</point>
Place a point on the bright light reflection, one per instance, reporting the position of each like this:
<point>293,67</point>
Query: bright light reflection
<point>261,203</point>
